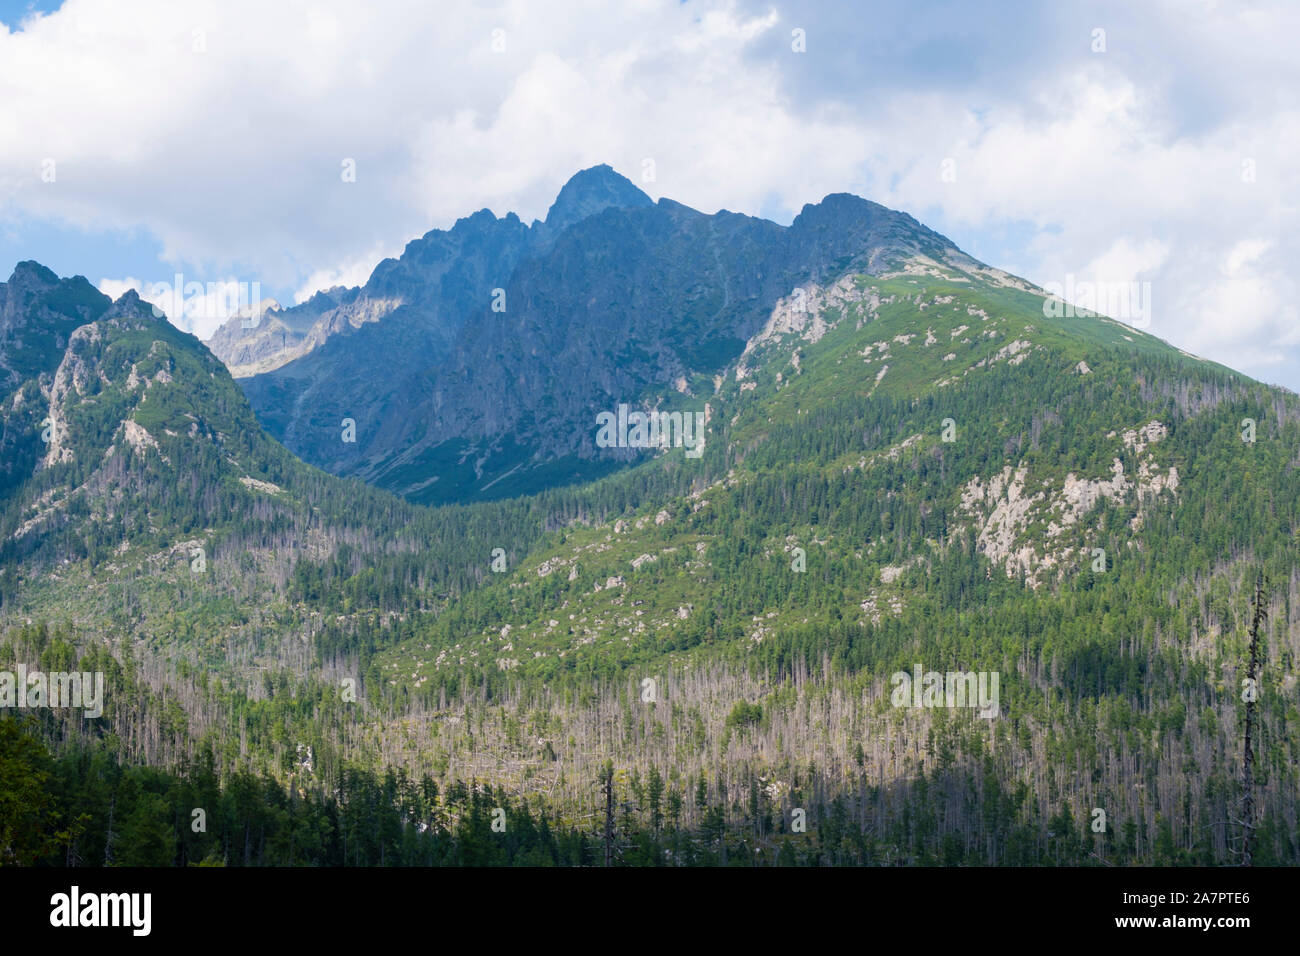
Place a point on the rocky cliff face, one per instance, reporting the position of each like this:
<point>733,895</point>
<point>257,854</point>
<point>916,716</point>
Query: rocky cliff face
<point>38,315</point>
<point>476,363</point>
<point>266,336</point>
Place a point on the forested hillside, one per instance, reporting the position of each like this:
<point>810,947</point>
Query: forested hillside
<point>910,468</point>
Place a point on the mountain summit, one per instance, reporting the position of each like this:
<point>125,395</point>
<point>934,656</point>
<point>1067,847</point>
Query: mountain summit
<point>457,360</point>
<point>592,191</point>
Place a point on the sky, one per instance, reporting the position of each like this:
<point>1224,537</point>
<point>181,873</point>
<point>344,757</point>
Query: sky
<point>293,145</point>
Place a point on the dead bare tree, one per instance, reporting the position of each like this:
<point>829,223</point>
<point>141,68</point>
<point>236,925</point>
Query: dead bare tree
<point>607,785</point>
<point>1251,695</point>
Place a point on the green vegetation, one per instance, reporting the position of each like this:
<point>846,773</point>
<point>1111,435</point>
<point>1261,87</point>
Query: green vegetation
<point>723,628</point>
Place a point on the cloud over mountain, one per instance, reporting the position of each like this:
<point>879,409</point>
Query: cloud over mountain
<point>1005,127</point>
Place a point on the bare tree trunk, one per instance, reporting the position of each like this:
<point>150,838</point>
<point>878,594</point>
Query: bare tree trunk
<point>1248,753</point>
<point>609,814</point>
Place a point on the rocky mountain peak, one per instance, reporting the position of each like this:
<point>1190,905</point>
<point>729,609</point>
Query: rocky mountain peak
<point>30,273</point>
<point>591,191</point>
<point>129,305</point>
<point>843,227</point>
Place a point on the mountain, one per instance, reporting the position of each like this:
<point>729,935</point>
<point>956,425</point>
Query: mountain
<point>912,465</point>
<point>249,347</point>
<point>921,472</point>
<point>265,336</point>
<point>131,451</point>
<point>589,192</point>
<point>38,314</point>
<point>457,361</point>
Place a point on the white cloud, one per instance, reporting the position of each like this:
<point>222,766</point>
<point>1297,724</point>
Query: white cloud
<point>227,143</point>
<point>1244,254</point>
<point>116,288</point>
<point>351,274</point>
<point>1243,312</point>
<point>196,306</point>
<point>1127,260</point>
